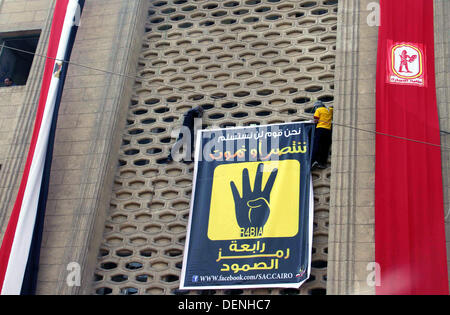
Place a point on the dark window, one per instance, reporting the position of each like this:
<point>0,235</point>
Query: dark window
<point>16,57</point>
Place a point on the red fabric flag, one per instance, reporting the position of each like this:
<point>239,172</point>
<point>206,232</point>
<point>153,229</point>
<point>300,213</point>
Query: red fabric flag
<point>409,209</point>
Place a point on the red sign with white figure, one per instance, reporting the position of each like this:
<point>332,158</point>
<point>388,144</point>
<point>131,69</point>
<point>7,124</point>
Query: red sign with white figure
<point>406,64</point>
<point>410,240</point>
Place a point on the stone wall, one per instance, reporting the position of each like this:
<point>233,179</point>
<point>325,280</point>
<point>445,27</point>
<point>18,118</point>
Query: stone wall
<point>116,208</point>
<point>353,160</point>
<point>18,103</point>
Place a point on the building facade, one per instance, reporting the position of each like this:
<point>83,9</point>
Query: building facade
<point>118,210</point>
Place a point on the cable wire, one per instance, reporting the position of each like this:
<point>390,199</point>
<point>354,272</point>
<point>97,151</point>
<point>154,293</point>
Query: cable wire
<point>214,98</point>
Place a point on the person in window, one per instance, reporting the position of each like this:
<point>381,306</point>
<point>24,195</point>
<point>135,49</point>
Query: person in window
<point>323,117</point>
<point>8,81</point>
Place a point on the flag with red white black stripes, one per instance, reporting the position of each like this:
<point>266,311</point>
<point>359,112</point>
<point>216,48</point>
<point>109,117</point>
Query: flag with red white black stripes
<point>20,249</point>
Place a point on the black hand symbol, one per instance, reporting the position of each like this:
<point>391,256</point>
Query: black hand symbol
<point>253,209</point>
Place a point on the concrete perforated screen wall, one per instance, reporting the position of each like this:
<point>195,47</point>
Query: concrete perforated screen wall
<point>246,62</point>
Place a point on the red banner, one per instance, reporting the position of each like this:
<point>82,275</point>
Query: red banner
<point>409,212</point>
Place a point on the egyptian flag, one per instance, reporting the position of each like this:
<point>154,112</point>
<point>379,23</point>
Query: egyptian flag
<point>410,241</point>
<point>20,250</point>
